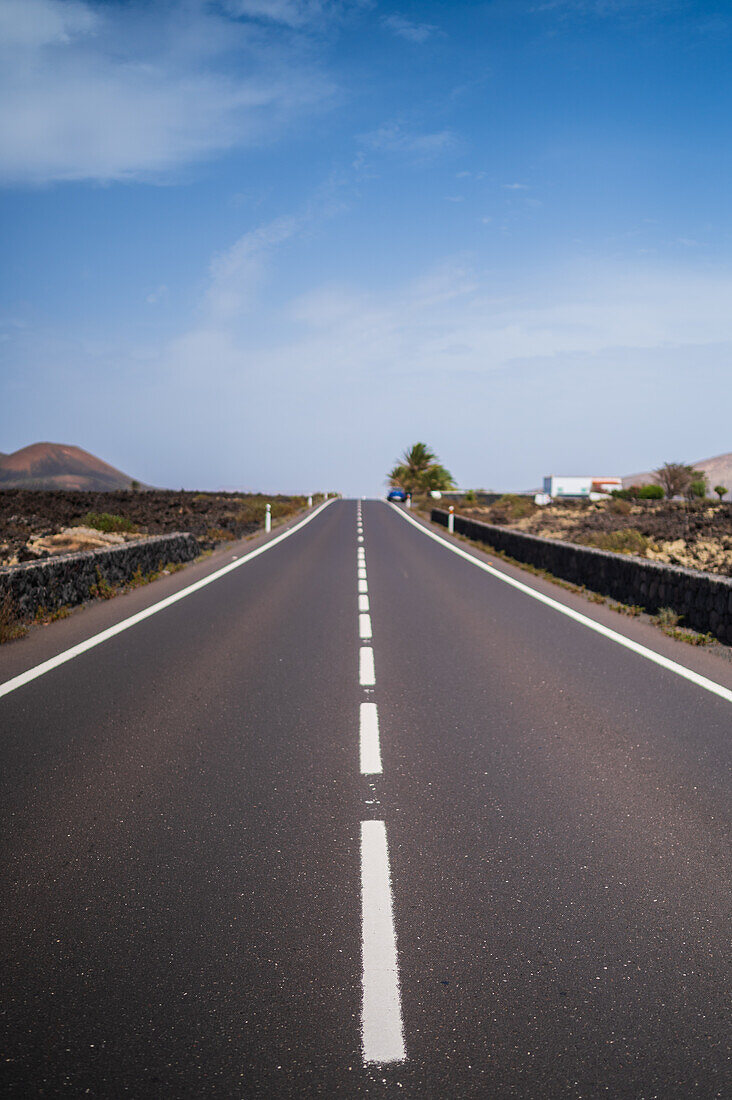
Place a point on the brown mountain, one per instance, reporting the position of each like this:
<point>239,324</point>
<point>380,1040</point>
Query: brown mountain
<point>58,466</point>
<point>717,469</point>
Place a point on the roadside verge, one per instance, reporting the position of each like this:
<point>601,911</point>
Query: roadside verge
<point>30,658</point>
<point>650,654</point>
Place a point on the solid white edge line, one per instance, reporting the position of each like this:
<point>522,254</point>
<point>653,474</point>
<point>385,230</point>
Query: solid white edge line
<point>364,625</point>
<point>140,616</point>
<point>363,603</point>
<point>605,631</point>
<point>368,740</point>
<point>382,1032</point>
<point>366,674</point>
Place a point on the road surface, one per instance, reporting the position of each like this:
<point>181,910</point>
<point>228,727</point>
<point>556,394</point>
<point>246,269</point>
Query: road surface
<point>359,818</point>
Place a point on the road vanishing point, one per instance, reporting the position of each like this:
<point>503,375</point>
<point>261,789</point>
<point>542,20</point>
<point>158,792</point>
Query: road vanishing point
<point>358,810</point>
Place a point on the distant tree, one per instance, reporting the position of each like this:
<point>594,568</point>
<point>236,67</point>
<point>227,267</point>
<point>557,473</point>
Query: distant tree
<point>134,485</point>
<point>697,488</point>
<point>720,490</point>
<point>419,469</point>
<point>675,478</point>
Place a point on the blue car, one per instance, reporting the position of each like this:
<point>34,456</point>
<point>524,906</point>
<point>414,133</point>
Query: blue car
<point>397,495</point>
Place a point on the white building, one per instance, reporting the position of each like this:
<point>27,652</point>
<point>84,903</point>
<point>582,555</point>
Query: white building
<point>556,486</point>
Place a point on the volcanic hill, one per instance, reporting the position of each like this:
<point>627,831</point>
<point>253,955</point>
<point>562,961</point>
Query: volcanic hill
<point>59,466</point>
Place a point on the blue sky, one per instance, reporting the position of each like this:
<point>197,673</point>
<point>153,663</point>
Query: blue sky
<point>269,243</point>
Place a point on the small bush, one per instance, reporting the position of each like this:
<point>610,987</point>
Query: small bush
<point>667,617</point>
<point>102,590</point>
<point>650,492</point>
<point>470,497</point>
<point>219,534</point>
<point>620,506</point>
<point>107,523</point>
<point>11,626</point>
<point>639,492</point>
<point>627,540</point>
<point>511,506</point>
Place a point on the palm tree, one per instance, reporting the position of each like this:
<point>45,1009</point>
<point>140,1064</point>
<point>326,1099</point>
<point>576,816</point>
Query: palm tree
<point>418,469</point>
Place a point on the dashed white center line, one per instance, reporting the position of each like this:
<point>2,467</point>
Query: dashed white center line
<point>370,749</point>
<point>360,538</point>
<point>363,603</point>
<point>366,674</point>
<point>364,626</point>
<point>362,573</point>
<point>363,586</point>
<point>382,1032</point>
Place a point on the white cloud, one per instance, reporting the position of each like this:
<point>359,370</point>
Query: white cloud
<point>515,186</point>
<point>126,92</point>
<point>405,28</point>
<point>395,138</point>
<point>237,273</point>
<point>26,23</point>
<point>293,13</point>
<point>157,295</point>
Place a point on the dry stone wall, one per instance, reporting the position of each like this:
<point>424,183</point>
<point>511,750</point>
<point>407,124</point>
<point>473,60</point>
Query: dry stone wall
<point>703,599</point>
<point>70,579</point>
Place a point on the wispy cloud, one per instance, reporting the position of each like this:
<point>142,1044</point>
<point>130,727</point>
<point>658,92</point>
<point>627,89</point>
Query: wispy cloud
<point>634,9</point>
<point>395,138</point>
<point>124,92</point>
<point>157,295</point>
<point>515,186</point>
<point>237,273</point>
<point>405,28</point>
<point>293,13</point>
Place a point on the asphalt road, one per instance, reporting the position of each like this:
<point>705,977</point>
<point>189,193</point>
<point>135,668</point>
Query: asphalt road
<point>234,866</point>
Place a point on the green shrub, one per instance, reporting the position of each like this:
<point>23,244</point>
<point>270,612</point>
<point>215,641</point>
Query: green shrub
<point>639,492</point>
<point>11,626</point>
<point>698,489</point>
<point>512,506</point>
<point>626,540</point>
<point>104,521</point>
<point>667,617</point>
<point>650,492</point>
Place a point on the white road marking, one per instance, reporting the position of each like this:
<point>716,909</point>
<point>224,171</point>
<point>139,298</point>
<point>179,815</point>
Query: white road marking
<point>360,538</point>
<point>140,616</point>
<point>366,674</point>
<point>361,573</point>
<point>363,603</point>
<point>605,631</point>
<point>364,626</point>
<point>382,1033</point>
<point>370,751</point>
<point>363,586</point>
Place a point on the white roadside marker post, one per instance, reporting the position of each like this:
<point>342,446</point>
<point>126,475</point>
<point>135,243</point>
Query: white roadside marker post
<point>268,519</point>
<point>310,501</point>
<point>409,500</point>
<point>451,520</point>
